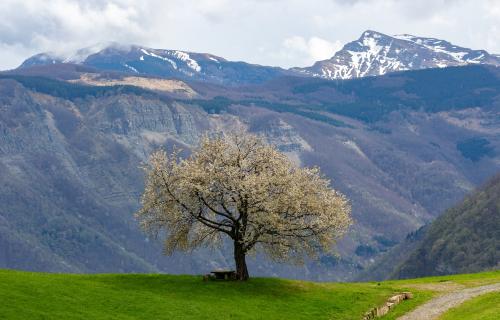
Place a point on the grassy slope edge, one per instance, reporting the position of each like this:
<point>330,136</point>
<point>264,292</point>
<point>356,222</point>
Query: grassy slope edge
<point>484,307</point>
<point>28,295</point>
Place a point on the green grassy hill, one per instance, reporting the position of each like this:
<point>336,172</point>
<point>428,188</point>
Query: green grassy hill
<point>27,295</point>
<point>485,307</point>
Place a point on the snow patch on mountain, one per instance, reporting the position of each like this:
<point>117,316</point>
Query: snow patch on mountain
<point>154,55</point>
<point>131,68</point>
<point>184,56</point>
<point>375,53</point>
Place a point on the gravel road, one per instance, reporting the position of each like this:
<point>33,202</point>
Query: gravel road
<point>437,306</point>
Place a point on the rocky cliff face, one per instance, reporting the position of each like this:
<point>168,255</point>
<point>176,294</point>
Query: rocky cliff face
<point>70,157</point>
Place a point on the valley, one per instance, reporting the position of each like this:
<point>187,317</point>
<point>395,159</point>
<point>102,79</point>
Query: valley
<point>405,131</point>
<point>391,143</point>
<point>250,159</point>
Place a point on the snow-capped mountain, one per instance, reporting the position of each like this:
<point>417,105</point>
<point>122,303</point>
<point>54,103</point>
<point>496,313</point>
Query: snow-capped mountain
<point>163,63</point>
<point>375,53</point>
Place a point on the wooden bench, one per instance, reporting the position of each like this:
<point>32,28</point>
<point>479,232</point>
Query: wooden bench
<point>224,274</point>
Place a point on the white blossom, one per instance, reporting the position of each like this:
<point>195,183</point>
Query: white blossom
<point>241,187</point>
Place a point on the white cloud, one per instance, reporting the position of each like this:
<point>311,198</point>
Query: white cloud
<point>310,50</point>
<point>65,24</point>
<point>271,32</point>
<point>320,49</point>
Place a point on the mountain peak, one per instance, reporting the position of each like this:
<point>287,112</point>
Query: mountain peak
<point>370,39</point>
<point>376,53</point>
<point>43,58</point>
<point>372,34</point>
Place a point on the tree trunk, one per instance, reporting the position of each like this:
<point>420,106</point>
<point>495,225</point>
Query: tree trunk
<point>240,262</point>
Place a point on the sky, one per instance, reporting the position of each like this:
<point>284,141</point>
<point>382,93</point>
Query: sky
<point>282,33</point>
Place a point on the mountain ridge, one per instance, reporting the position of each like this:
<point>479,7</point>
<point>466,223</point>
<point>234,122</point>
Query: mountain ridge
<point>372,54</point>
<point>140,60</point>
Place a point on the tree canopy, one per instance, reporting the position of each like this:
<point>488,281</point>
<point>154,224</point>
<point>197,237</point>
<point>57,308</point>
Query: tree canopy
<point>243,188</point>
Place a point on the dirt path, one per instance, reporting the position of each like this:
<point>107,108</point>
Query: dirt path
<point>437,306</point>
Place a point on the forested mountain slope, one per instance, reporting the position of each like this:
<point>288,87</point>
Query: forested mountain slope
<point>465,239</point>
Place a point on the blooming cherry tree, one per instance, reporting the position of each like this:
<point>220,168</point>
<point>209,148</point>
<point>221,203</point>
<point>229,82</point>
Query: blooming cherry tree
<point>240,187</point>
